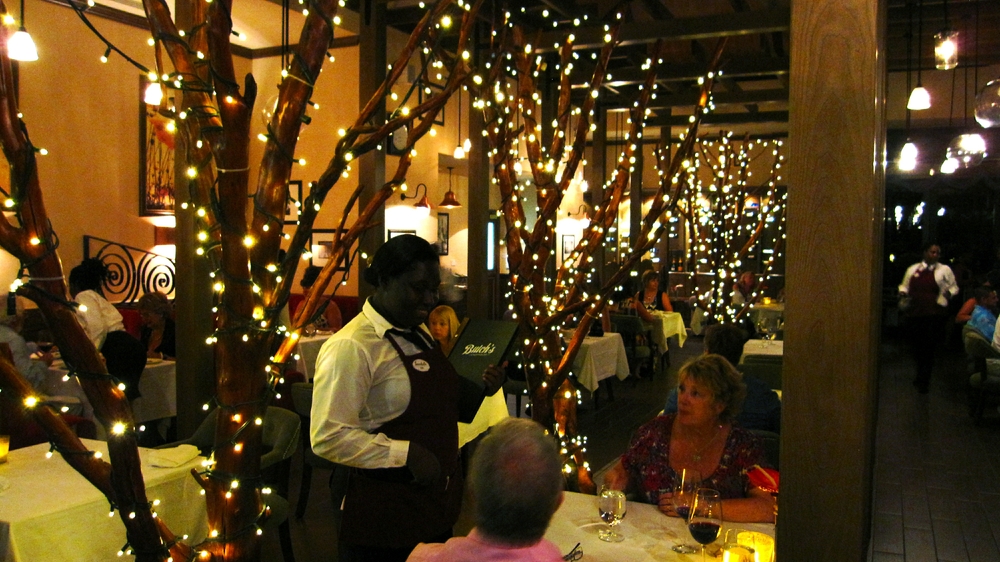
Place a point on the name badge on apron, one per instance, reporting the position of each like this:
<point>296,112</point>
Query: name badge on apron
<point>421,365</point>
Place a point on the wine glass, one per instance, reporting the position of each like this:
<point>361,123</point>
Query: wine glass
<point>685,487</point>
<point>705,519</point>
<point>611,505</point>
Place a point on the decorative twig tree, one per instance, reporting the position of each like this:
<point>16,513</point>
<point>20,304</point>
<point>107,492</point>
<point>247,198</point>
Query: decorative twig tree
<point>510,94</point>
<point>727,214</point>
<point>240,236</point>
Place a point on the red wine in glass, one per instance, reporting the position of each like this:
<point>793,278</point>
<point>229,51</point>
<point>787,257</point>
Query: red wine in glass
<point>685,485</point>
<point>705,522</point>
<point>705,532</point>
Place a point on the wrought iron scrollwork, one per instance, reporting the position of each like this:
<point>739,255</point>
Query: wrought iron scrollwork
<point>132,272</point>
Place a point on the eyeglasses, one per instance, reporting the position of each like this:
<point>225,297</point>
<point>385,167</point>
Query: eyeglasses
<point>575,554</point>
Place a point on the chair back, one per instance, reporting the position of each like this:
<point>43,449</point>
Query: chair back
<point>976,345</point>
<point>632,328</point>
<point>768,371</point>
<point>772,446</point>
<point>280,435</point>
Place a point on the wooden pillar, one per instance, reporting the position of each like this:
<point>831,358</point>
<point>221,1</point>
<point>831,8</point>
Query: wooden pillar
<point>194,297</point>
<point>480,304</point>
<point>835,210</point>
<point>371,166</point>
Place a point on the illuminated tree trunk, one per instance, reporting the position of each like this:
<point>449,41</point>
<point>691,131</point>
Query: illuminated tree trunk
<point>239,235</point>
<point>510,101</point>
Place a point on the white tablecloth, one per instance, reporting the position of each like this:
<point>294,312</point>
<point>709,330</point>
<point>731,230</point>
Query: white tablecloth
<point>308,350</point>
<point>649,534</point>
<point>50,512</point>
<point>600,358</point>
<point>665,325</point>
<point>158,385</point>
<point>764,347</point>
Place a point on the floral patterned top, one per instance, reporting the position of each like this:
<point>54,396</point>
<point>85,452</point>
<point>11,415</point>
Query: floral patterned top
<point>647,461</point>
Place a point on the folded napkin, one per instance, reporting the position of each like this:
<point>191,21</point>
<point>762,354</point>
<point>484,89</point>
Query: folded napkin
<point>173,457</point>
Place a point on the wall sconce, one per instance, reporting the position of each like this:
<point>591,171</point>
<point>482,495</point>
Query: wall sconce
<point>423,205</point>
<point>20,45</point>
<point>450,201</point>
<point>581,211</point>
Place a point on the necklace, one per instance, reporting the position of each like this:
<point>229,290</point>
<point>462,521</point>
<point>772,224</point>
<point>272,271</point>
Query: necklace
<point>696,457</point>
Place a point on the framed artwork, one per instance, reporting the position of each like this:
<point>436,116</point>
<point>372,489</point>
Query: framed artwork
<point>294,195</point>
<point>444,233</point>
<point>568,245</point>
<point>424,91</point>
<point>395,233</point>
<point>321,246</point>
<point>156,159</point>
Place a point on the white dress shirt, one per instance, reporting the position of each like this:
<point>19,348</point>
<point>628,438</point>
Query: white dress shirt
<point>947,287</point>
<point>101,317</point>
<point>360,384</point>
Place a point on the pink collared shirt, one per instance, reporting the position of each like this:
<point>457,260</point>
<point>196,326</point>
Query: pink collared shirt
<point>477,548</point>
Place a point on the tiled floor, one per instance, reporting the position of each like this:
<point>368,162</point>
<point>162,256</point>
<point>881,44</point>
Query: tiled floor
<point>937,491</point>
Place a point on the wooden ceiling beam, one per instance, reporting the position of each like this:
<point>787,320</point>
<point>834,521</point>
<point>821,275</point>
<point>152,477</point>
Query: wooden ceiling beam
<point>714,119</point>
<point>776,95</point>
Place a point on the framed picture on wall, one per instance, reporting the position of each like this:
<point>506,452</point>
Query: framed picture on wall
<point>568,245</point>
<point>156,158</point>
<point>294,196</point>
<point>321,246</point>
<point>395,233</point>
<point>444,233</point>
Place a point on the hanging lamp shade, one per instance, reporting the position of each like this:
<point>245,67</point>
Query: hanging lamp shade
<point>908,157</point>
<point>423,206</point>
<point>920,99</point>
<point>946,50</point>
<point>988,105</point>
<point>21,47</point>
<point>966,150</point>
<point>450,201</point>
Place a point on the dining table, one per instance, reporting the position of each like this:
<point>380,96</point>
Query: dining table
<point>599,358</point>
<point>666,325</point>
<point>649,534</point>
<point>49,512</point>
<point>157,384</point>
<point>764,347</point>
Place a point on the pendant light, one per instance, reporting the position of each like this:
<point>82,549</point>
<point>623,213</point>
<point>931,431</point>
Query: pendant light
<point>908,155</point>
<point>450,201</point>
<point>946,45</point>
<point>968,149</point>
<point>920,98</point>
<point>988,100</point>
<point>20,45</point>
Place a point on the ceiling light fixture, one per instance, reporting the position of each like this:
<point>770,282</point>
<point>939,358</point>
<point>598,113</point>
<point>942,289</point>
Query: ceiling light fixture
<point>920,98</point>
<point>459,153</point>
<point>946,45</point>
<point>20,46</point>
<point>450,201</point>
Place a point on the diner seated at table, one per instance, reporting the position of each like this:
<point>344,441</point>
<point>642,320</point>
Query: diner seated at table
<point>158,334</point>
<point>517,484</point>
<point>761,409</point>
<point>34,370</point>
<point>700,436</point>
<point>442,324</point>
<point>124,355</point>
<point>650,297</point>
<point>744,287</point>
<point>331,320</point>
<point>982,319</point>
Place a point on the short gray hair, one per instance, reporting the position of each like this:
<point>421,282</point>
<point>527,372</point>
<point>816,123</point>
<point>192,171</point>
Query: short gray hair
<point>517,482</point>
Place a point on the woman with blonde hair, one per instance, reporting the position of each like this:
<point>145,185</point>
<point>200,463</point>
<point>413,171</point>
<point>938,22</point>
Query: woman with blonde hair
<point>442,323</point>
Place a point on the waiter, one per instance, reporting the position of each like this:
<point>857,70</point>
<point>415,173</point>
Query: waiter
<point>387,402</point>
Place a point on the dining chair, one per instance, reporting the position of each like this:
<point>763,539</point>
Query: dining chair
<point>280,438</point>
<point>767,368</point>
<point>772,446</point>
<point>982,384</point>
<point>636,337</point>
<point>302,399</point>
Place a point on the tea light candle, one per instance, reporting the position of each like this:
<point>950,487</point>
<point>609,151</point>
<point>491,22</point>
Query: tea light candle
<point>4,447</point>
<point>762,544</point>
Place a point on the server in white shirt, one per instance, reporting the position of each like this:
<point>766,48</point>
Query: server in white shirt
<point>387,402</point>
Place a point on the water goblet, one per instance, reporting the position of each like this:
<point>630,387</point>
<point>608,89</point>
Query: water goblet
<point>705,520</point>
<point>687,483</point>
<point>611,505</point>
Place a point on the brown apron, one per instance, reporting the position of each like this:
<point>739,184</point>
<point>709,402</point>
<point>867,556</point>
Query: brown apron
<point>382,508</point>
<point>924,291</point>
